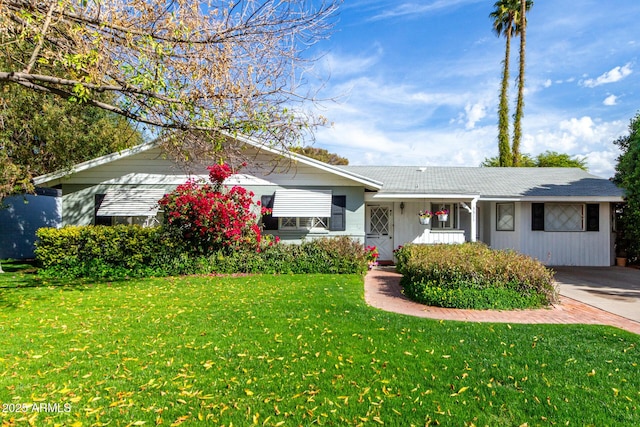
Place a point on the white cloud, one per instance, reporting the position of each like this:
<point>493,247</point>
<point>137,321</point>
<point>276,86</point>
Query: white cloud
<point>475,113</point>
<point>610,100</point>
<point>547,83</point>
<point>611,76</point>
<point>578,128</point>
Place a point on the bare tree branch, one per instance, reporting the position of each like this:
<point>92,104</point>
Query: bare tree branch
<point>173,64</point>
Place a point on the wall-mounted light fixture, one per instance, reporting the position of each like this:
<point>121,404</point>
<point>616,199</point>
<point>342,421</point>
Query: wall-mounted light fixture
<point>402,208</point>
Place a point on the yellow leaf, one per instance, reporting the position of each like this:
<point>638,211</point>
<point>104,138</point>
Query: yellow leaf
<point>248,392</point>
<point>462,390</point>
<point>139,423</point>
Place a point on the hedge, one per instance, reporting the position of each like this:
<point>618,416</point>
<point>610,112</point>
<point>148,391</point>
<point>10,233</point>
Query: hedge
<point>111,252</point>
<point>471,275</point>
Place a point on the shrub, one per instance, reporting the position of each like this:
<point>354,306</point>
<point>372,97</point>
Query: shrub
<point>330,255</point>
<point>103,252</point>
<point>471,275</point>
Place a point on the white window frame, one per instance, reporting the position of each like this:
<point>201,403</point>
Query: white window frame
<point>549,211</point>
<point>303,223</point>
<point>451,222</point>
<point>501,216</point>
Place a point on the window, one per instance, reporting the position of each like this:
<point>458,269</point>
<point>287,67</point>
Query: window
<point>336,222</point>
<point>128,206</point>
<point>565,217</point>
<point>505,216</point>
<point>303,223</point>
<point>451,222</point>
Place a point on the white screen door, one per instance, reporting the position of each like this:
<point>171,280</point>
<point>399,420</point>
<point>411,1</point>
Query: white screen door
<point>379,225</point>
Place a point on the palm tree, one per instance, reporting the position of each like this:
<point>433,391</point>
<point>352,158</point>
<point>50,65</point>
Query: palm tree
<point>504,25</point>
<point>507,23</point>
<point>521,28</point>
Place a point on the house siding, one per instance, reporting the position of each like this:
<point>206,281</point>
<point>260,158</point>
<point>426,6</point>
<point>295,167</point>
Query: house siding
<point>580,248</point>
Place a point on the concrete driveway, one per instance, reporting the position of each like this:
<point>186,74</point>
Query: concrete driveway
<point>613,289</point>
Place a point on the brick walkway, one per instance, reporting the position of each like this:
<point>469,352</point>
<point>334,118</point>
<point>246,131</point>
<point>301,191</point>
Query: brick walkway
<point>382,290</point>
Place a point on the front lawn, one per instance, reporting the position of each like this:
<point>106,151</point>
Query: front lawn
<point>292,350</point>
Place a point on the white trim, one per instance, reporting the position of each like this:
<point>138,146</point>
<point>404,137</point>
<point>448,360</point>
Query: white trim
<point>450,198</point>
<point>556,199</point>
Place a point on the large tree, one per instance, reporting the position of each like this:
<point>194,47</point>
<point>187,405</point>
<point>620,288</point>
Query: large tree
<point>627,176</point>
<point>503,25</point>
<point>180,65</point>
<point>507,22</point>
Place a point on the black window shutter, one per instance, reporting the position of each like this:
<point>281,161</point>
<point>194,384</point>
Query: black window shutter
<point>537,216</point>
<point>593,217</point>
<point>268,221</point>
<point>100,220</point>
<point>338,209</point>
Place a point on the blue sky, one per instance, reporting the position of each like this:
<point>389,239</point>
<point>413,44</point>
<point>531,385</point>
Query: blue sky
<point>417,83</point>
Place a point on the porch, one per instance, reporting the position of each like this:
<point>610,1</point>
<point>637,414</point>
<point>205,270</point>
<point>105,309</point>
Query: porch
<point>393,221</point>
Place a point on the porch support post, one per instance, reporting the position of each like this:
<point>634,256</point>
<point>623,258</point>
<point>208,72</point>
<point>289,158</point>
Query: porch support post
<point>474,219</point>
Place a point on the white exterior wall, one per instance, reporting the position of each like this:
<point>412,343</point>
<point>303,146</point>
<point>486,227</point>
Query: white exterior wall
<point>581,248</point>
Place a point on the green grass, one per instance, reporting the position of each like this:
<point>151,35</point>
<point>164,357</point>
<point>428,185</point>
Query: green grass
<point>293,350</point>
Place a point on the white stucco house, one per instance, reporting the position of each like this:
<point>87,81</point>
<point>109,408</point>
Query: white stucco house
<point>561,216</point>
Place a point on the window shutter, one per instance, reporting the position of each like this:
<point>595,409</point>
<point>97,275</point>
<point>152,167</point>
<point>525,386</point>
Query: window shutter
<point>338,210</point>
<point>537,216</point>
<point>593,217</point>
<point>100,220</point>
<point>268,221</point>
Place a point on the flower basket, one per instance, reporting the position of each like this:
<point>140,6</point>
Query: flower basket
<point>443,217</point>
<point>424,217</point>
<point>424,220</point>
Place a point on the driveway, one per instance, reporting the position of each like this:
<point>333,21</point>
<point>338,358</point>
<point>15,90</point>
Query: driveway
<point>613,289</point>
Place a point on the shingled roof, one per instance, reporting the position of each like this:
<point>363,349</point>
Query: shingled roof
<point>489,182</point>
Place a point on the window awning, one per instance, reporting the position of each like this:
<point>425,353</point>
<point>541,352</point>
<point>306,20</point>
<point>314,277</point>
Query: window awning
<point>302,203</point>
<point>131,202</point>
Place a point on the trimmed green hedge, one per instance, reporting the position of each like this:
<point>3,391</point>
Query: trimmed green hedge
<point>111,252</point>
<point>472,275</point>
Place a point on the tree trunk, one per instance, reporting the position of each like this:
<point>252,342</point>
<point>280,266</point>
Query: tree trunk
<point>504,148</point>
<point>517,120</point>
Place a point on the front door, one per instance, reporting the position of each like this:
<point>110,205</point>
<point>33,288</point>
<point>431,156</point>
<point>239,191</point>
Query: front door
<point>379,223</point>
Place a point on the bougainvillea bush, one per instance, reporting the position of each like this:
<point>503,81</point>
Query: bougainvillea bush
<point>208,217</point>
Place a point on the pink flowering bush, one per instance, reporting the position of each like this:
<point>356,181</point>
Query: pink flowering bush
<point>209,216</point>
